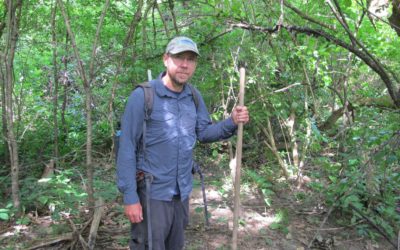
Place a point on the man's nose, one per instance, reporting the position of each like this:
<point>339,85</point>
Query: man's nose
<point>185,62</point>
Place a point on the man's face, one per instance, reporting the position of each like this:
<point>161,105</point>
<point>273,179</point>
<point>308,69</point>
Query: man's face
<point>180,67</point>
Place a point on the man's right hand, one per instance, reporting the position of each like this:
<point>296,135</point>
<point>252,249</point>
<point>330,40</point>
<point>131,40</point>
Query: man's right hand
<point>134,212</point>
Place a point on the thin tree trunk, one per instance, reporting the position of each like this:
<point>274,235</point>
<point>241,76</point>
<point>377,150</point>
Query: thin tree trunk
<point>7,61</point>
<point>162,18</point>
<point>88,94</point>
<point>55,79</point>
<point>3,96</point>
<point>65,91</point>
<point>307,139</point>
<point>4,113</point>
<point>144,31</point>
<point>171,8</point>
<point>290,123</point>
<point>96,39</point>
<point>128,39</point>
<point>89,164</point>
<point>272,146</point>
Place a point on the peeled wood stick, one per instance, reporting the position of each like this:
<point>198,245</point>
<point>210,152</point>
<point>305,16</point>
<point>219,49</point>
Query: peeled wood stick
<point>238,164</point>
<point>398,241</point>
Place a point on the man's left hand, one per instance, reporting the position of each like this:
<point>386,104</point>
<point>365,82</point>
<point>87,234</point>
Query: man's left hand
<point>240,114</point>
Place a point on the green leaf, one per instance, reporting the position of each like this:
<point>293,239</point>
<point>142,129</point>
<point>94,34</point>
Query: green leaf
<point>4,216</point>
<point>23,221</point>
<point>43,199</point>
<point>333,178</point>
<point>198,209</point>
<point>347,3</point>
<point>214,153</point>
<point>274,225</point>
<point>351,199</point>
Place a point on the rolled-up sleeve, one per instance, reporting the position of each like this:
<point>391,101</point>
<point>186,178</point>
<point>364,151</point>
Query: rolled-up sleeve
<point>131,132</point>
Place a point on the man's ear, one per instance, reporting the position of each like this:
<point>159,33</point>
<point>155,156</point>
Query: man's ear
<point>165,59</point>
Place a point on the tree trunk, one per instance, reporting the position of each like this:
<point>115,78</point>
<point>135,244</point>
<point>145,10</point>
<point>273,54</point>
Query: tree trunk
<point>3,100</point>
<point>290,124</point>
<point>272,146</point>
<point>96,39</point>
<point>171,8</point>
<point>3,114</point>
<point>394,19</point>
<point>132,30</point>
<point>7,64</point>
<point>86,85</point>
<point>55,79</point>
<point>162,18</point>
<point>65,83</point>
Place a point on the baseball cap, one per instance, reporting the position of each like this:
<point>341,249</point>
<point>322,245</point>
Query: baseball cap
<point>180,44</point>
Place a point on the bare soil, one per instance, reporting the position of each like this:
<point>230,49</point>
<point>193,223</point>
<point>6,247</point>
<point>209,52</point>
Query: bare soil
<point>260,227</point>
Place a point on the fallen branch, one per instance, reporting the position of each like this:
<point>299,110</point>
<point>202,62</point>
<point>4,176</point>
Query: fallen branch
<point>387,237</point>
<point>98,213</point>
<point>51,241</point>
<point>77,235</point>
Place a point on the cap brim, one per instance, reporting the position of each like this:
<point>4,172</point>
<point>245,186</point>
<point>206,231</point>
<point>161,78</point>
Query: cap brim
<point>183,49</point>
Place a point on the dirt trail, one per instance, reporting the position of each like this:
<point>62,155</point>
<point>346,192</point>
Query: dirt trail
<point>288,224</point>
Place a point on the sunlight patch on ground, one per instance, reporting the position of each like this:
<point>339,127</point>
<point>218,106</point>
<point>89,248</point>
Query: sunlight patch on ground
<point>16,230</point>
<point>254,221</point>
<point>213,195</point>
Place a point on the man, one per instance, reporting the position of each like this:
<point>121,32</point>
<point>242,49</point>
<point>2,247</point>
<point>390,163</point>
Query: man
<point>166,153</point>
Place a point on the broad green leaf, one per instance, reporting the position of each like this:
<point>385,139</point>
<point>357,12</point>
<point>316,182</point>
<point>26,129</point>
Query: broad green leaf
<point>4,216</point>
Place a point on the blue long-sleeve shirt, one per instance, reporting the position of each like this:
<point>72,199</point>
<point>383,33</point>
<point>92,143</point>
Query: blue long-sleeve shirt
<point>171,135</point>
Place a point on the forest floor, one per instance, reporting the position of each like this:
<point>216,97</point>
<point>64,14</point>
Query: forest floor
<point>288,223</point>
<point>291,221</point>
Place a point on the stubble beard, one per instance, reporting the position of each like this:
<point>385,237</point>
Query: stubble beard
<point>178,82</point>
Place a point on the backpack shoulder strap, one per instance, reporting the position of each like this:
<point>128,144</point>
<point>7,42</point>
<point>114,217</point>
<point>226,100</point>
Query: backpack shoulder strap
<point>148,108</point>
<point>195,96</point>
<point>148,98</point>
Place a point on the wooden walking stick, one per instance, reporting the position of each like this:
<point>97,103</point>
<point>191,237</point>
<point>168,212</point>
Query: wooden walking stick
<point>238,164</point>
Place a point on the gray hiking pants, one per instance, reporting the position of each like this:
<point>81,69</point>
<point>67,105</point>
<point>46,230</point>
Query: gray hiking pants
<point>168,222</point>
